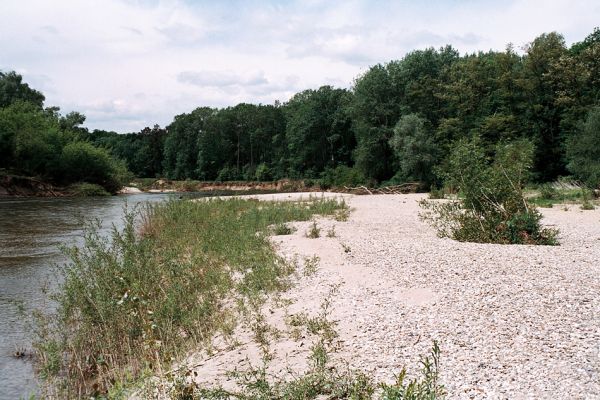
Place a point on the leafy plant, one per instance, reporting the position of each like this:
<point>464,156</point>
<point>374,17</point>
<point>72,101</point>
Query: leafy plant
<point>491,207</point>
<point>428,388</point>
<point>283,229</point>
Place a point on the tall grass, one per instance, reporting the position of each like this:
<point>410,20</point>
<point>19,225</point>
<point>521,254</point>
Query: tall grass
<point>136,301</point>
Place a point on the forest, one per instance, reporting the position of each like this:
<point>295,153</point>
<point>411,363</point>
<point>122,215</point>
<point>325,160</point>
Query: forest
<point>397,123</point>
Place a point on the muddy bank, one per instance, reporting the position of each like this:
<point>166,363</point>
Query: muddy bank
<point>165,185</point>
<point>21,186</point>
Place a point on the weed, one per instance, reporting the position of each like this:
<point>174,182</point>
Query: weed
<point>331,232</point>
<point>311,265</point>
<point>323,379</point>
<point>426,388</point>
<point>346,248</point>
<point>139,299</point>
<point>343,213</point>
<point>314,231</point>
<point>587,205</point>
<point>283,229</point>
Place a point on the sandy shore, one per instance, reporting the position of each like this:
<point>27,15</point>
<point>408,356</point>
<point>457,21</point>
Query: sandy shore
<point>512,322</point>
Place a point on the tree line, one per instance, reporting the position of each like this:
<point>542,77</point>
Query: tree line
<point>398,122</point>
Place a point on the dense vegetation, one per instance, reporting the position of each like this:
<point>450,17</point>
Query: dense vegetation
<point>398,122</point>
<point>135,302</point>
<point>40,142</point>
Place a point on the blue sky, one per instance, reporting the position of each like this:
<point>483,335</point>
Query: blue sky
<point>127,64</point>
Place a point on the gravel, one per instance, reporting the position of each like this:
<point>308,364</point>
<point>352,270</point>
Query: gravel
<point>512,321</point>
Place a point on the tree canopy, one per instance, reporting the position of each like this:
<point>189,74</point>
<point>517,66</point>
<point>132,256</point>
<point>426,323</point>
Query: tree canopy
<point>399,121</point>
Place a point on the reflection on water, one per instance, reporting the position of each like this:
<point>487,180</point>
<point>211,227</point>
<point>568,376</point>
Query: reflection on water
<point>31,232</point>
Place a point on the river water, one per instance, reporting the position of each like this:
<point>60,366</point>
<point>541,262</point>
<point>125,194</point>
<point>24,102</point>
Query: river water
<point>31,231</point>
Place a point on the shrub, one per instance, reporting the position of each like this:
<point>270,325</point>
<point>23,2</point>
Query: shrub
<point>138,300</point>
<point>583,150</point>
<point>491,207</point>
<point>283,229</point>
<point>341,176</point>
<point>82,162</point>
<point>549,192</point>
<point>263,172</point>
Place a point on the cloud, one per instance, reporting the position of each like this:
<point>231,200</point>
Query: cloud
<point>221,78</point>
<point>127,64</point>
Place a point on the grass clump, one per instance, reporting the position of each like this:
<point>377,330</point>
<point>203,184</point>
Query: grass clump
<point>283,229</point>
<point>138,300</point>
<point>314,231</point>
<point>331,232</point>
<point>491,207</point>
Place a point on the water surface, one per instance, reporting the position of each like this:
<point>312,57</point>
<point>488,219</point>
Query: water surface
<point>31,232</point>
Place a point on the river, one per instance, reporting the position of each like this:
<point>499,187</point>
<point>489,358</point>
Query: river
<point>31,231</point>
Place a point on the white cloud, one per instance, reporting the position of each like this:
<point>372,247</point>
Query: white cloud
<point>131,63</point>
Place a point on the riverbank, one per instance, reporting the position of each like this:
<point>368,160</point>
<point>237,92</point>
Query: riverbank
<point>23,186</point>
<point>213,264</point>
<point>512,321</point>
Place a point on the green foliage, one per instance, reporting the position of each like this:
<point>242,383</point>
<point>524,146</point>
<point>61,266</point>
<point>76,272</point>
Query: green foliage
<point>81,161</point>
<point>583,150</point>
<point>341,176</point>
<point>263,173</point>
<point>397,123</point>
<point>318,130</point>
<point>12,89</point>
<point>428,388</point>
<point>41,142</point>
<point>492,207</point>
<point>323,379</point>
<point>415,149</point>
<point>113,322</point>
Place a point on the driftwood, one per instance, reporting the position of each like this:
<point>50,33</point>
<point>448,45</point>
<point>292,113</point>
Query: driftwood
<point>409,187</point>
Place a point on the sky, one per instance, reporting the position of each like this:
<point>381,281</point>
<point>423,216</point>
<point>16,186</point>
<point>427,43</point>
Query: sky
<point>127,64</point>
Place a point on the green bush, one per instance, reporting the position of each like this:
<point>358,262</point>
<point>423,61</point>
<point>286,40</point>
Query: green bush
<point>341,176</point>
<point>549,192</point>
<point>583,150</point>
<point>263,173</point>
<point>491,207</point>
<point>83,162</point>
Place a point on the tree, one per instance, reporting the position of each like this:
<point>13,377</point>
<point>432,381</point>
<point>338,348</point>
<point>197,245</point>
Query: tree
<point>415,149</point>
<point>543,114</point>
<point>583,150</point>
<point>318,131</point>
<point>12,89</point>
<point>492,207</point>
